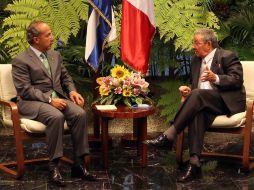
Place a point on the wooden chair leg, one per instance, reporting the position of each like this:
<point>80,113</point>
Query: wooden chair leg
<point>19,148</point>
<point>20,158</point>
<point>179,147</point>
<point>19,163</point>
<point>246,149</point>
<point>247,136</point>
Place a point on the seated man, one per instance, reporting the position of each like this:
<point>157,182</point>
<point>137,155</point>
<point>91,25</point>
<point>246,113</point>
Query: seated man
<point>216,89</point>
<point>40,79</point>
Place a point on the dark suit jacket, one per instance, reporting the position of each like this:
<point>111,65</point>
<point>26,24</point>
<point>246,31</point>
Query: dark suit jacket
<point>229,69</point>
<point>34,84</point>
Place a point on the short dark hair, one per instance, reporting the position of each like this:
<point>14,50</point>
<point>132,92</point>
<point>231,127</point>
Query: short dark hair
<point>208,35</point>
<point>32,31</point>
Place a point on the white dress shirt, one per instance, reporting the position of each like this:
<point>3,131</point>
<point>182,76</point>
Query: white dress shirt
<point>206,63</point>
<point>37,53</point>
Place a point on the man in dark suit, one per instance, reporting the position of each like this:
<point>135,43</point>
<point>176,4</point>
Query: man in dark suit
<point>46,93</point>
<point>216,89</point>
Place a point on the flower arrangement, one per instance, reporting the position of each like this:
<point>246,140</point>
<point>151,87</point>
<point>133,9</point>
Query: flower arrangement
<point>123,86</point>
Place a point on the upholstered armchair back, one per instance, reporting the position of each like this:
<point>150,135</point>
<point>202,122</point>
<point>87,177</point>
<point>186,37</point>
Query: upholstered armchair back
<point>248,74</point>
<point>7,90</point>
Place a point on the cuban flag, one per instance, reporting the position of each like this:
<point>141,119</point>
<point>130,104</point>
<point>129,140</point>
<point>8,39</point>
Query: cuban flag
<point>100,29</point>
<point>137,31</point>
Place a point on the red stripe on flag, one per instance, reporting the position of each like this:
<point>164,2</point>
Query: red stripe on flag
<point>136,37</point>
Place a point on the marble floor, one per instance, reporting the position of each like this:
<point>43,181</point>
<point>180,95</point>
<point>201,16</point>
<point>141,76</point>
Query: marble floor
<point>124,172</point>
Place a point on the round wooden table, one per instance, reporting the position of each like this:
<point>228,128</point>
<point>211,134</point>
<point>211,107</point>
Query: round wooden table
<point>139,116</point>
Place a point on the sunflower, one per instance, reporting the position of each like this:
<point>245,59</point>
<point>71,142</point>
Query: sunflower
<point>127,92</point>
<point>119,72</point>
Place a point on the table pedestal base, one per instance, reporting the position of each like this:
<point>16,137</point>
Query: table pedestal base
<point>141,136</point>
<point>139,117</point>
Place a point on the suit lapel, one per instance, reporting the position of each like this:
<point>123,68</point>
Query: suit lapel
<point>37,61</point>
<point>214,64</point>
<point>51,61</point>
<point>196,71</point>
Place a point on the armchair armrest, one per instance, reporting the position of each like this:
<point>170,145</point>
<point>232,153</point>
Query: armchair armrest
<point>249,113</point>
<point>14,115</point>
<point>250,105</point>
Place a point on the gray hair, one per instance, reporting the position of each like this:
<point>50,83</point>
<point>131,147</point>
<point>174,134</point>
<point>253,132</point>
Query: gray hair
<point>208,35</point>
<point>32,31</point>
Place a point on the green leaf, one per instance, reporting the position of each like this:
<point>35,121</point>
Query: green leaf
<point>105,99</point>
<point>110,99</point>
<point>138,100</point>
<point>178,19</point>
<point>114,46</point>
<point>127,102</point>
<point>117,99</point>
<point>169,101</point>
<point>63,16</point>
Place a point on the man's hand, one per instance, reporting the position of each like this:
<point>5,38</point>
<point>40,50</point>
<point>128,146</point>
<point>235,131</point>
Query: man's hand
<point>77,98</point>
<point>184,90</point>
<point>58,103</point>
<point>208,75</point>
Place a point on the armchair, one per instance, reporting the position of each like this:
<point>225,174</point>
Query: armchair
<point>24,129</point>
<point>240,123</point>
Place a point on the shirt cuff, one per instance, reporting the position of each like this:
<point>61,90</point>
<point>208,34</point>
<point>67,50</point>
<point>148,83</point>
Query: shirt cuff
<point>217,81</point>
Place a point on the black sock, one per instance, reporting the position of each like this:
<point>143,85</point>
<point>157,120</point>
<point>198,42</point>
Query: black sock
<point>54,163</point>
<point>170,132</point>
<point>194,159</point>
<point>78,160</point>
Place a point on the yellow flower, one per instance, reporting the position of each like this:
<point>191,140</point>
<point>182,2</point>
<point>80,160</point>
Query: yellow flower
<point>119,72</point>
<point>127,92</point>
<point>104,91</point>
<point>99,80</point>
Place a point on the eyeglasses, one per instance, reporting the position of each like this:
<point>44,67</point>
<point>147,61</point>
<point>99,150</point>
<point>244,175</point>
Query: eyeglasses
<point>196,43</point>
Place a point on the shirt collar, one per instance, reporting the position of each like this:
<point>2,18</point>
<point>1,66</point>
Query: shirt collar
<point>36,51</point>
<point>210,56</point>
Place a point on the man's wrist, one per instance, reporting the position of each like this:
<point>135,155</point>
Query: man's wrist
<point>72,92</point>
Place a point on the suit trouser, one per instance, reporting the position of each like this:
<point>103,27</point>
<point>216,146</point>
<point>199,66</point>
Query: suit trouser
<point>54,119</point>
<point>198,112</point>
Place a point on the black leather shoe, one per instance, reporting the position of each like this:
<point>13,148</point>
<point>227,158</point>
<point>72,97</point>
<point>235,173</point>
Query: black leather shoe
<point>80,172</point>
<point>193,172</point>
<point>160,142</point>
<point>55,177</point>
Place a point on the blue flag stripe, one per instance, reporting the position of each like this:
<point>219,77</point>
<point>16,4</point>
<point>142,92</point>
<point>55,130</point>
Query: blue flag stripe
<point>99,30</point>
